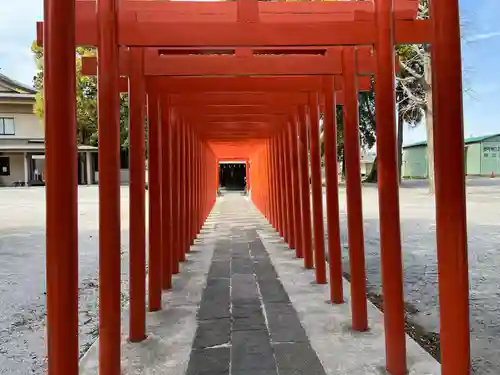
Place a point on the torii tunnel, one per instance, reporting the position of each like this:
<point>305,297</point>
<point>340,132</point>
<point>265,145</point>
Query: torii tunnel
<point>249,81</point>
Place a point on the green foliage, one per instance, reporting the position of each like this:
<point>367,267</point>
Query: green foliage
<point>86,100</point>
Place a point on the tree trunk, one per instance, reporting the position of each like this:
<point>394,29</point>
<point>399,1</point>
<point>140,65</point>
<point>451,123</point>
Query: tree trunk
<point>343,166</point>
<point>400,145</point>
<point>429,123</point>
<point>373,176</point>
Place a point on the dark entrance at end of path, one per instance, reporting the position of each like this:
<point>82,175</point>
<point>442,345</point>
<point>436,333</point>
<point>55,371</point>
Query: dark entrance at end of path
<point>232,176</point>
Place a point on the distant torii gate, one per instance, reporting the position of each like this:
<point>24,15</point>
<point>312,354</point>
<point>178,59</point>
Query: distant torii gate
<point>109,24</point>
<point>228,116</point>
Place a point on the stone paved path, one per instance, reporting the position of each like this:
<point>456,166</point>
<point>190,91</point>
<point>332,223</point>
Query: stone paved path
<point>246,322</point>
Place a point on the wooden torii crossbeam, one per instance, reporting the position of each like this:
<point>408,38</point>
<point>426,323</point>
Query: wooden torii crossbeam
<point>165,23</point>
<point>244,62</point>
<point>241,61</point>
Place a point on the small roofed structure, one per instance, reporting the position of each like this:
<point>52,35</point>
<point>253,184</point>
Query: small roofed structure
<point>482,157</point>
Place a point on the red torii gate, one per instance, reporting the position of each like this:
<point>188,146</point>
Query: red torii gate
<point>251,64</point>
<point>250,24</point>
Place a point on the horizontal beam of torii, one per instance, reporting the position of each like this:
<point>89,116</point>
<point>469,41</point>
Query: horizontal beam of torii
<point>240,61</point>
<point>248,23</point>
<point>206,89</point>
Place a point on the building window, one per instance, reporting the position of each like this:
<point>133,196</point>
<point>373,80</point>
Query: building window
<point>7,126</point>
<point>493,155</point>
<point>485,155</point>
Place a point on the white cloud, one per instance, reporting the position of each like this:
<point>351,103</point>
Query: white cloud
<point>483,36</point>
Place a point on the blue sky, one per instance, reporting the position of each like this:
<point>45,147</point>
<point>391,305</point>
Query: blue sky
<point>481,58</point>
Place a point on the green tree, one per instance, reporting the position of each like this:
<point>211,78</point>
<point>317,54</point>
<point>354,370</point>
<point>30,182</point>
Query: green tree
<point>86,100</point>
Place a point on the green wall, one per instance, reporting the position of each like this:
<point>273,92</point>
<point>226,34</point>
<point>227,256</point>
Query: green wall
<point>481,158</point>
<point>490,157</point>
<point>473,159</point>
<point>415,162</point>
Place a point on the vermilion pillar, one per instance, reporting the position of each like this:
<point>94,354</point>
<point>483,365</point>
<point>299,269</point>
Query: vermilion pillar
<point>198,185</point>
<point>287,190</point>
<point>183,168</point>
<point>332,196</point>
<point>294,184</point>
<point>275,172</point>
<point>388,192</point>
<point>353,189</point>
<point>61,194</point>
<point>155,204</point>
<point>175,183</point>
<point>274,175</point>
<point>188,186</point>
<point>247,172</point>
<point>255,196</point>
<point>179,192</point>
<point>194,218</point>
<point>317,192</point>
<point>282,188</point>
<point>168,259</point>
<point>137,230</point>
<point>201,183</point>
<point>217,181</point>
<point>268,187</point>
<point>305,202</point>
<point>109,189</point>
<point>270,183</point>
<point>451,225</point>
<point>267,192</point>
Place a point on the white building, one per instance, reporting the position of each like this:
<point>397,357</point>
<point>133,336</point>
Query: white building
<point>22,143</point>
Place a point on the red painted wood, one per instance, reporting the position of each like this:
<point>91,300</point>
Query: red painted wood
<point>236,84</point>
<point>292,147</point>
<point>279,222</point>
<point>404,9</point>
<point>233,75</point>
<point>175,182</point>
<point>109,192</point>
<point>317,191</point>
<point>137,201</point>
<point>61,192</point>
<point>354,197</point>
<point>225,34</point>
<point>281,188</point>
<point>156,239</point>
<point>286,188</point>
<point>330,62</point>
<point>305,201</point>
<point>182,190</point>
<point>332,198</point>
<point>167,219</point>
<point>388,194</point>
<point>451,218</point>
<point>292,186</point>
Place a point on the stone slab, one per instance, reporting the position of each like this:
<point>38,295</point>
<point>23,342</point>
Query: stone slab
<point>170,331</point>
<point>328,327</point>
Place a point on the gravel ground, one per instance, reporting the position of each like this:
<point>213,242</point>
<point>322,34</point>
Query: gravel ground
<point>22,264</point>
<point>22,275</point>
<point>420,265</point>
